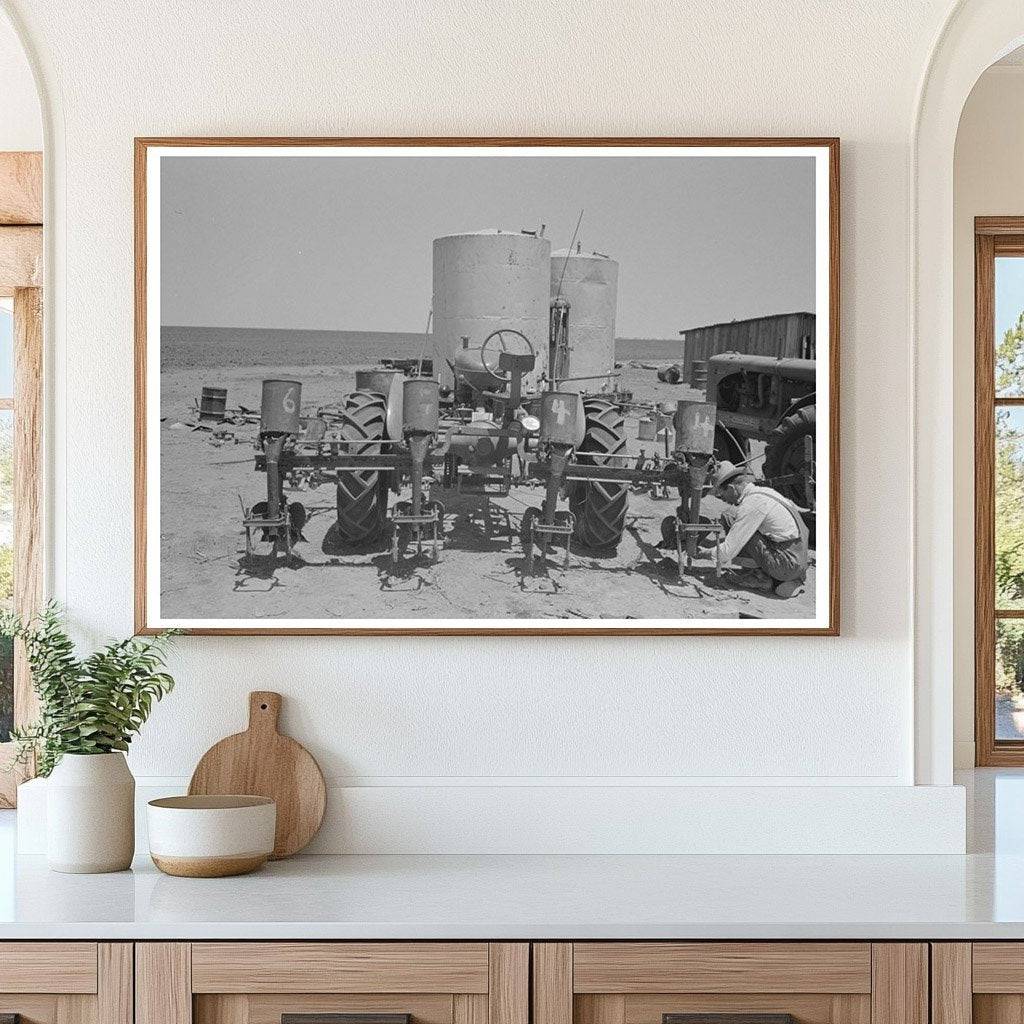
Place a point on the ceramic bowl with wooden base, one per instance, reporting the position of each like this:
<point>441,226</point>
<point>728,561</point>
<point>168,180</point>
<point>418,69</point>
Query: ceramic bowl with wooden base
<point>211,836</point>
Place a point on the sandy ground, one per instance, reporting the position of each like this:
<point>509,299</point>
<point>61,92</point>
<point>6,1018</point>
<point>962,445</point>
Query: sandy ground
<point>205,483</point>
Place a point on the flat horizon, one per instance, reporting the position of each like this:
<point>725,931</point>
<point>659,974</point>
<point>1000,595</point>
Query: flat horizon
<point>348,330</point>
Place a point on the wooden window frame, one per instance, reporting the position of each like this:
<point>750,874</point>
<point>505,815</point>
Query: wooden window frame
<point>993,237</point>
<point>21,270</point>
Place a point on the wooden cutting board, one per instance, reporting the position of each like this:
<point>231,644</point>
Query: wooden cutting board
<point>262,762</point>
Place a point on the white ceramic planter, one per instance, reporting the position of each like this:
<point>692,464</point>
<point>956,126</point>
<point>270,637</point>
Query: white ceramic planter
<point>90,814</point>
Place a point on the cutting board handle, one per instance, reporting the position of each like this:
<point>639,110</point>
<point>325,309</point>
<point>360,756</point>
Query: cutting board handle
<point>264,710</point>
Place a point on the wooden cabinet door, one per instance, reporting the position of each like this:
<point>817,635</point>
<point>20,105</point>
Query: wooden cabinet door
<point>736,982</point>
<point>306,982</point>
<point>979,982</point>
<point>66,982</point>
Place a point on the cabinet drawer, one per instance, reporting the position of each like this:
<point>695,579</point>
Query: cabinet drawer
<point>998,967</point>
<point>630,967</point>
<point>263,982</point>
<point>735,982</point>
<point>48,967</point>
<point>340,967</point>
<point>66,982</point>
<point>981,982</point>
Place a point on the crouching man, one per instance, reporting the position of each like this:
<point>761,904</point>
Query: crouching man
<point>765,529</point>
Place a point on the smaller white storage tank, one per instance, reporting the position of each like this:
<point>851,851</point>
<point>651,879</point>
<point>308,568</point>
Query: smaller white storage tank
<point>589,282</point>
<point>488,280</point>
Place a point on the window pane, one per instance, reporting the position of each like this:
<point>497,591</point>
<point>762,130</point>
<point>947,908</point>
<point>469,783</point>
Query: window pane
<point>1009,324</point>
<point>6,567</point>
<point>1009,679</point>
<point>1009,512</point>
<point>6,348</point>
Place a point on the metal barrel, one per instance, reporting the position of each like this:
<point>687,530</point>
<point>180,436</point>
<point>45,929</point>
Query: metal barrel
<point>376,380</point>
<point>559,417</point>
<point>420,400</point>
<point>647,429</point>
<point>699,375</point>
<point>213,403</point>
<point>695,427</point>
<point>486,281</point>
<point>279,408</point>
<point>588,283</point>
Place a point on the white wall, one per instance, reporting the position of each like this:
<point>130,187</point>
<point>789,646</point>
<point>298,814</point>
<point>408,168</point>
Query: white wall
<point>988,181</point>
<point>441,713</point>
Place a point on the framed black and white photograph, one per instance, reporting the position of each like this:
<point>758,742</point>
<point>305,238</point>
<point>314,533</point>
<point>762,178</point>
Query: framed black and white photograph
<point>489,386</point>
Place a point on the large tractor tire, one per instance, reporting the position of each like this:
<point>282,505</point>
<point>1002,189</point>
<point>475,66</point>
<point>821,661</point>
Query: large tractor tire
<point>600,508</point>
<point>362,494</point>
<point>789,460</point>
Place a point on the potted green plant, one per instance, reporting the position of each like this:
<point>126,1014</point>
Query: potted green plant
<point>89,710</point>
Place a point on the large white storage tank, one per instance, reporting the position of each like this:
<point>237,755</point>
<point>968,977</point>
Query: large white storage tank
<point>488,280</point>
<point>589,282</point>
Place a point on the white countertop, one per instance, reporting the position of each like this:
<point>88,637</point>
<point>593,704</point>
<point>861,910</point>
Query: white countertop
<point>532,897</point>
<point>978,896</point>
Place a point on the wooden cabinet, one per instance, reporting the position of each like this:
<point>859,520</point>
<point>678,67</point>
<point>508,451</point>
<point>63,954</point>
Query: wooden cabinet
<point>66,982</point>
<point>649,982</point>
<point>979,982</point>
<point>261,982</point>
<point>493,983</point>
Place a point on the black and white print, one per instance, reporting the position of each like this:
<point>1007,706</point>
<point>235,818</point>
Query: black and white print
<point>517,388</point>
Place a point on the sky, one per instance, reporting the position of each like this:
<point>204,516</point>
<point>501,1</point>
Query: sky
<point>345,242</point>
<point>1009,293</point>
<point>6,352</point>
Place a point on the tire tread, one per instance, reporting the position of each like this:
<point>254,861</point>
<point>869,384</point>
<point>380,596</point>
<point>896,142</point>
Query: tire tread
<point>600,508</point>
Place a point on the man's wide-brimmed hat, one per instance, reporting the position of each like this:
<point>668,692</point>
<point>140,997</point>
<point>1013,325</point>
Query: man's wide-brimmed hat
<point>727,471</point>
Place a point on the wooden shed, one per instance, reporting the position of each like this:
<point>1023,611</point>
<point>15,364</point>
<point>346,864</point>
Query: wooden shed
<point>783,335</point>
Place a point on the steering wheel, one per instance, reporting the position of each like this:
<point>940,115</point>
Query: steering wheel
<point>495,343</point>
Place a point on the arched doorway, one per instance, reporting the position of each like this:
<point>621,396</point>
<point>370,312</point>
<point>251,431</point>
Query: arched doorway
<point>975,35</point>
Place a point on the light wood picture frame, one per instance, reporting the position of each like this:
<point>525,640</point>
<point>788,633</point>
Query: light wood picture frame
<point>265,220</point>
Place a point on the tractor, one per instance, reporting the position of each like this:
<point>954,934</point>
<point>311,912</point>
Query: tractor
<point>514,399</point>
<point>771,400</point>
<point>525,392</point>
<point>409,436</point>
